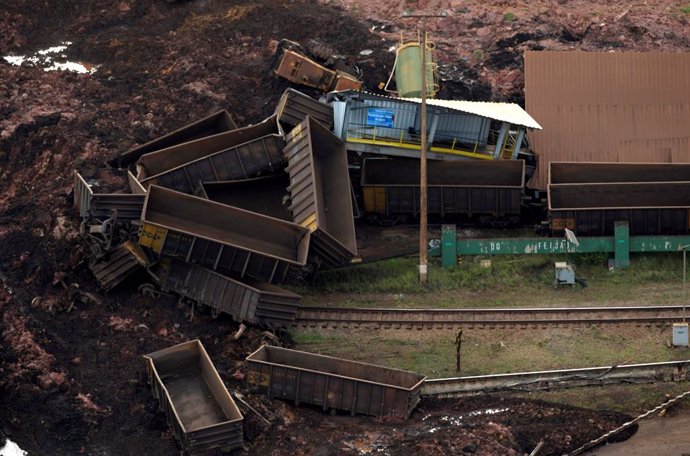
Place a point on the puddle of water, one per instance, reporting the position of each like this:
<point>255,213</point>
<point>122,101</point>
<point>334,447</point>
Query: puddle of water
<point>46,58</point>
<point>12,449</point>
<point>488,411</point>
<point>365,447</point>
<point>446,421</point>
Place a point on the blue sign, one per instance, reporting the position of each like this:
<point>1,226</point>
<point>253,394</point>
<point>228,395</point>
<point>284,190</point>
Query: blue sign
<point>380,117</point>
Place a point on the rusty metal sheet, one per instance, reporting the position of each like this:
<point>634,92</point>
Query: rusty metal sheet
<point>575,173</point>
<point>118,264</point>
<point>299,69</point>
<point>491,190</point>
<point>265,195</point>
<point>642,222</point>
<point>134,185</point>
<point>294,106</point>
<point>608,107</point>
<point>466,173</point>
<point>215,123</point>
<point>334,383</point>
<point>320,192</point>
<point>197,404</point>
<point>246,160</point>
<point>221,237</point>
<point>244,300</point>
<point>589,198</point>
<point>619,195</point>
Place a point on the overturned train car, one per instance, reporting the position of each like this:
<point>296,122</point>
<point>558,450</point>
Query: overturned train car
<point>244,300</point>
<point>222,238</point>
<point>237,154</point>
<point>320,194</point>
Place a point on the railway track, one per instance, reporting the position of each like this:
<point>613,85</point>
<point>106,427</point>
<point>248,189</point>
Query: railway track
<point>429,319</point>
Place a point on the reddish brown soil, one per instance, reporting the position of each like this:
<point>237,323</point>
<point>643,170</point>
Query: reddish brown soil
<point>74,382</point>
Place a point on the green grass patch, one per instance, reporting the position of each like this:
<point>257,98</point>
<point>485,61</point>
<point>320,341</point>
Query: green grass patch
<point>510,281</point>
<point>509,17</point>
<point>685,9</point>
<point>433,353</point>
<point>506,273</point>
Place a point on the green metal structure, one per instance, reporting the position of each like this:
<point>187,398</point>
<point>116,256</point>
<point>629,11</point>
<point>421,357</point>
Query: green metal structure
<point>408,70</point>
<point>621,245</point>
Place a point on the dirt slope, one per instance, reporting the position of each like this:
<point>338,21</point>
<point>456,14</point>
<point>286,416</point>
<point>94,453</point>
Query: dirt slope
<point>72,382</point>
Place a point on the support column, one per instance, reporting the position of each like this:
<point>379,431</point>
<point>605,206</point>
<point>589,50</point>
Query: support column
<point>621,245</point>
<point>505,127</point>
<point>518,143</point>
<point>449,246</point>
<point>432,129</point>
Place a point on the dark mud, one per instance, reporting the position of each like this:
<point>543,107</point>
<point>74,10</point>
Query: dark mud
<point>72,380</point>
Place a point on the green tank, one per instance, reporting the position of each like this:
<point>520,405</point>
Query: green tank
<point>408,71</point>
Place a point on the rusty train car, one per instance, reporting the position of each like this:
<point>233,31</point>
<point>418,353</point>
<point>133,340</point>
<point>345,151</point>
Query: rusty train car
<point>213,124</point>
<point>490,191</point>
<point>588,198</point>
<point>221,237</point>
<point>334,383</point>
<point>237,154</point>
<point>245,300</point>
<point>320,195</point>
<point>294,106</point>
<point>126,207</point>
<point>197,405</point>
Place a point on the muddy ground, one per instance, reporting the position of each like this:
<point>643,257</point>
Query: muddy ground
<point>72,380</point>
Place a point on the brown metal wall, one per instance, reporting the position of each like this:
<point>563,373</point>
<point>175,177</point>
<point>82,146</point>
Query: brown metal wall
<point>334,383</point>
<point>608,107</point>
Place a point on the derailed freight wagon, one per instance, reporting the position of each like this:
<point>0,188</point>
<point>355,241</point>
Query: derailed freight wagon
<point>238,154</point>
<point>213,124</point>
<point>244,300</point>
<point>588,198</point>
<point>320,193</point>
<point>220,237</point>
<point>294,106</point>
<point>266,195</point>
<point>198,407</point>
<point>334,383</point>
<point>126,207</point>
<point>490,191</point>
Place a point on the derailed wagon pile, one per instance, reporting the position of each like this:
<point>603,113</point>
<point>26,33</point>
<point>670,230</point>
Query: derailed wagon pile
<point>217,215</point>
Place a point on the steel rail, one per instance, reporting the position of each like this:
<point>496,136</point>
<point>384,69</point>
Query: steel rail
<point>327,317</point>
<point>563,378</point>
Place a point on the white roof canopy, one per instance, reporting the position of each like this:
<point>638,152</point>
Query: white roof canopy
<point>505,112</point>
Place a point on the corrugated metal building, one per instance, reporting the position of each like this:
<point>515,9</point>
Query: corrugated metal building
<point>457,129</point>
<point>608,107</point>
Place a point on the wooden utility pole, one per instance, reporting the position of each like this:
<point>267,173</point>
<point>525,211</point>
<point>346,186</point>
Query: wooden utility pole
<point>423,247</point>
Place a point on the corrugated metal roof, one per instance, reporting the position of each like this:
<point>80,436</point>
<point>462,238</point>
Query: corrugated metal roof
<point>504,112</point>
<point>608,107</point>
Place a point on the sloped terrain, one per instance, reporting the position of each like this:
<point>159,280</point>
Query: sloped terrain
<point>71,375</point>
